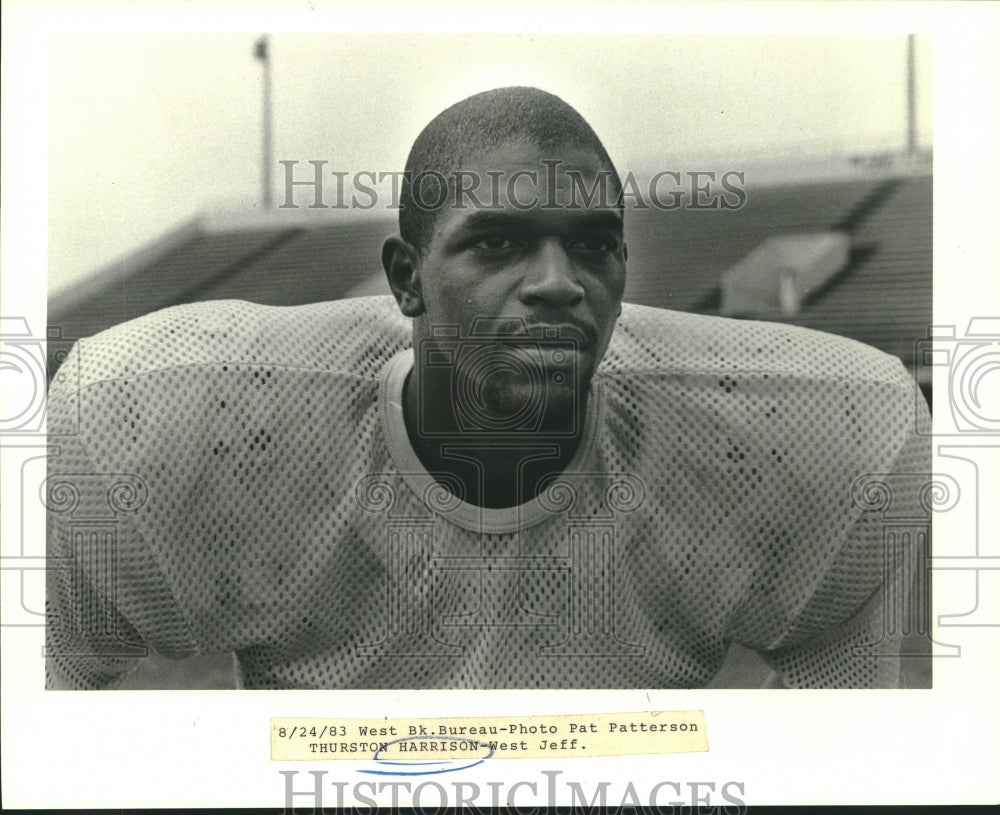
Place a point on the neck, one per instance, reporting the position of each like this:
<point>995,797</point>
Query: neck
<point>503,469</point>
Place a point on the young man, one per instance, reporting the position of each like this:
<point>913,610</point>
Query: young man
<point>524,484</point>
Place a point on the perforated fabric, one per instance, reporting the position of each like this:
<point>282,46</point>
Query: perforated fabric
<point>233,477</point>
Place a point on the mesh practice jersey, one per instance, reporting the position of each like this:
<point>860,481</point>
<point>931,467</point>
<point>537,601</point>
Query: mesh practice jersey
<point>238,478</point>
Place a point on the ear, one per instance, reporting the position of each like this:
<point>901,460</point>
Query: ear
<point>624,258</point>
<point>401,262</point>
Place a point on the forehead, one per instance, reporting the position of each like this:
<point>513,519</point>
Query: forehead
<point>518,155</point>
<point>533,186</point>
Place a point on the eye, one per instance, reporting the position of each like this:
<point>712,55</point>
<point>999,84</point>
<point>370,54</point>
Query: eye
<point>495,243</point>
<point>593,244</point>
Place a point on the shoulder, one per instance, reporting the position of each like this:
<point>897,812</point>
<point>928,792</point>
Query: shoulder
<point>751,439</point>
<point>333,336</point>
<point>658,341</point>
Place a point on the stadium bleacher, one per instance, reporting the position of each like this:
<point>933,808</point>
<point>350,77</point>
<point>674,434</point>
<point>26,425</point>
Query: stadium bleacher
<point>676,258</point>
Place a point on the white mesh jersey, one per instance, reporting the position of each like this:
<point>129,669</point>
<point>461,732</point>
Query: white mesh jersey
<point>233,477</point>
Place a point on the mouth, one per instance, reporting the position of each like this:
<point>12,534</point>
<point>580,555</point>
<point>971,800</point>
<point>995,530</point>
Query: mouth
<point>582,334</point>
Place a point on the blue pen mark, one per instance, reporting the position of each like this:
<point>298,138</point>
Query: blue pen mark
<point>417,767</point>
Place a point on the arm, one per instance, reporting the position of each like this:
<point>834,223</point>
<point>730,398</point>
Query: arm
<point>115,521</point>
<point>883,553</point>
<point>89,643</point>
<point>91,548</point>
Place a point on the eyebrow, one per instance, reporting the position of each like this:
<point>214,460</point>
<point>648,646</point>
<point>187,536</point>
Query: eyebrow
<point>607,219</point>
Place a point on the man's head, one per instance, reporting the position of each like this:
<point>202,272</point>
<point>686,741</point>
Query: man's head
<point>511,209</point>
<point>477,125</point>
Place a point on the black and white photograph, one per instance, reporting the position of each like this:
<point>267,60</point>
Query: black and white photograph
<point>511,450</point>
<point>461,371</point>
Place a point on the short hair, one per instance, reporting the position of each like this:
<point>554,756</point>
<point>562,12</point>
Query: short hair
<point>481,123</point>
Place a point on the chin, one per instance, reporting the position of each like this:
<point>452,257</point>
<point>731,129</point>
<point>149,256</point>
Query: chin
<point>521,404</point>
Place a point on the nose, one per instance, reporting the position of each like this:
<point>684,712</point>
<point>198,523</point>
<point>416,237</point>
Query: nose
<point>550,277</point>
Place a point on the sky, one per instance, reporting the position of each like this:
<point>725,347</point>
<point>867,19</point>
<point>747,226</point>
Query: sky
<point>146,130</point>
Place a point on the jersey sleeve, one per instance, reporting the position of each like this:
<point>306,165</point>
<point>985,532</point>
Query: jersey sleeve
<point>849,631</point>
<point>106,598</point>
